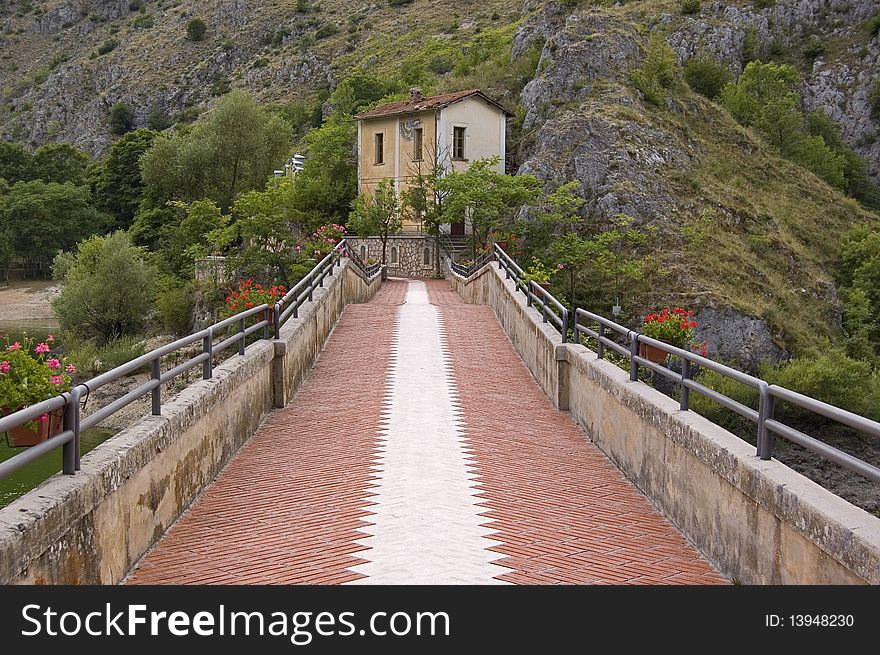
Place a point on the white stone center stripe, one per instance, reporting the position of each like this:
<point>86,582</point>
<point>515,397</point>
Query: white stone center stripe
<point>426,525</point>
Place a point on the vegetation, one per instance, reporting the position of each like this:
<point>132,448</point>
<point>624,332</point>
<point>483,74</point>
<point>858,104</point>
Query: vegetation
<point>121,118</point>
<point>107,291</point>
<point>658,74</point>
<point>707,77</point>
<point>377,215</point>
<point>196,29</point>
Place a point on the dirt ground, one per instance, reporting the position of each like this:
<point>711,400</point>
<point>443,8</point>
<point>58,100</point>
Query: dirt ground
<point>27,301</point>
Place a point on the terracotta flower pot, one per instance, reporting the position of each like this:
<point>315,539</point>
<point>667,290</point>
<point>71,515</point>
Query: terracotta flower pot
<point>22,436</point>
<point>652,353</point>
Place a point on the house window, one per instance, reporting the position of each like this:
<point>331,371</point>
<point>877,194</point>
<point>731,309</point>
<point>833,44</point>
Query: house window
<point>393,255</point>
<point>458,139</point>
<point>417,144</point>
<point>380,148</point>
<point>363,253</point>
<point>426,257</point>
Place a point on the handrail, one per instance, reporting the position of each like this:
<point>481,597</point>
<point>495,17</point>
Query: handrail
<point>467,271</point>
<point>764,418</point>
<point>552,311</point>
<point>268,317</point>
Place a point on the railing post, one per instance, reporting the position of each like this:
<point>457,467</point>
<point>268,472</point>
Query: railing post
<point>633,353</point>
<point>684,405</point>
<point>766,408</point>
<point>565,325</point>
<point>600,349</point>
<point>70,450</point>
<point>241,338</point>
<point>208,349</point>
<point>268,318</point>
<point>528,293</point>
<point>311,285</point>
<point>156,393</point>
<point>276,320</point>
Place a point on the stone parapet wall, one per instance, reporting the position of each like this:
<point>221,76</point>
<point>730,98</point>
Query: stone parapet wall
<point>92,527</point>
<point>758,521</point>
<point>405,254</point>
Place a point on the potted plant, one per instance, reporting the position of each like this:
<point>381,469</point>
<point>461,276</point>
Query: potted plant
<point>30,373</point>
<point>675,327</point>
<point>538,274</point>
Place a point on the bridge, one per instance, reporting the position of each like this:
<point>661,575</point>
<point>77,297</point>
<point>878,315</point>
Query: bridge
<point>427,432</point>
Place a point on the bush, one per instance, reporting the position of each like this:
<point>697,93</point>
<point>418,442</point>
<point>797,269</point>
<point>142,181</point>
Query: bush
<point>874,100</point>
<point>690,7</point>
<point>92,359</point>
<point>175,302</point>
<point>658,74</point>
<point>327,29</point>
<point>833,378</point>
<point>751,49</point>
<point>108,46</point>
<point>107,291</point>
<point>302,6</point>
<point>813,47</point>
<point>398,3</point>
<point>706,77</point>
<point>121,119</point>
<point>873,24</point>
<point>196,29</point>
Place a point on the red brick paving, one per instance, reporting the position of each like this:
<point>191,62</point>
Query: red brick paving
<point>288,508</point>
<point>564,512</point>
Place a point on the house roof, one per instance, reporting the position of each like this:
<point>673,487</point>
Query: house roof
<point>426,104</point>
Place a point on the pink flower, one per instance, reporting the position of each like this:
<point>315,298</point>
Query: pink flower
<point>15,346</point>
<point>50,339</point>
<point>4,367</point>
<point>42,348</point>
<point>54,364</point>
<point>70,368</point>
<point>56,379</point>
<point>43,418</point>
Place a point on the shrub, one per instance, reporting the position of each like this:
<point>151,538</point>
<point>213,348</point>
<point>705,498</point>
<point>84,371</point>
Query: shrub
<point>751,49</point>
<point>302,6</point>
<point>706,77</point>
<point>658,73</point>
<point>873,24</point>
<point>326,30</point>
<point>92,359</point>
<point>108,46</point>
<point>874,100</point>
<point>121,119</point>
<point>813,47</point>
<point>196,29</point>
<point>831,377</point>
<point>107,290</point>
<point>175,302</point>
<point>690,7</point>
<point>398,3</point>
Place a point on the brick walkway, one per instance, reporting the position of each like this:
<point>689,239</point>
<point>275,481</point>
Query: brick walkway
<point>351,505</point>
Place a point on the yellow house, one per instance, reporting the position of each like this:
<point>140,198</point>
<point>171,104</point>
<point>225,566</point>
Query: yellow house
<point>400,139</point>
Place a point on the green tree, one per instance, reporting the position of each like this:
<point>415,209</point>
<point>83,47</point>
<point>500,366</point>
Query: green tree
<point>119,185</point>
<point>196,29</point>
<point>235,150</point>
<point>659,72</point>
<point>261,240</point>
<point>121,118</point>
<point>377,215</point>
<point>360,90</point>
<point>108,290</point>
<point>327,185</point>
<point>706,76</point>
<point>859,278</point>
<point>15,162</point>
<point>59,162</point>
<point>486,197</point>
<point>422,201</point>
<point>45,217</point>
<point>188,241</point>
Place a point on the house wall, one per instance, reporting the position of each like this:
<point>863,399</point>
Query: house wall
<point>485,125</point>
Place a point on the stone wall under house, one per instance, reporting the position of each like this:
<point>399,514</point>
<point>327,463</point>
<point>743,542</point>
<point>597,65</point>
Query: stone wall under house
<point>406,256</point>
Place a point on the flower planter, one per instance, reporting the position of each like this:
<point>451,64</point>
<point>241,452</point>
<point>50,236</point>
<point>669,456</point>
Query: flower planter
<point>652,353</point>
<point>21,436</point>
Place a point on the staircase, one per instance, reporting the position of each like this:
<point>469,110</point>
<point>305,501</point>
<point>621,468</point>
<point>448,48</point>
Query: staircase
<point>455,246</point>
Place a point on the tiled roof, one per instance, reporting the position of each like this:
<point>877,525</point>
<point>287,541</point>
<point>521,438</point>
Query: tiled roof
<point>425,104</point>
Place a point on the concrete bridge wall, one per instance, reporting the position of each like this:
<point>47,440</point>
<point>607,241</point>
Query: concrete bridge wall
<point>91,528</point>
<point>758,522</point>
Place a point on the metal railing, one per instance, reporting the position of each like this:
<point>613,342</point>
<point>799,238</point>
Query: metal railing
<point>467,271</point>
<point>268,317</point>
<point>765,420</point>
<point>552,311</point>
